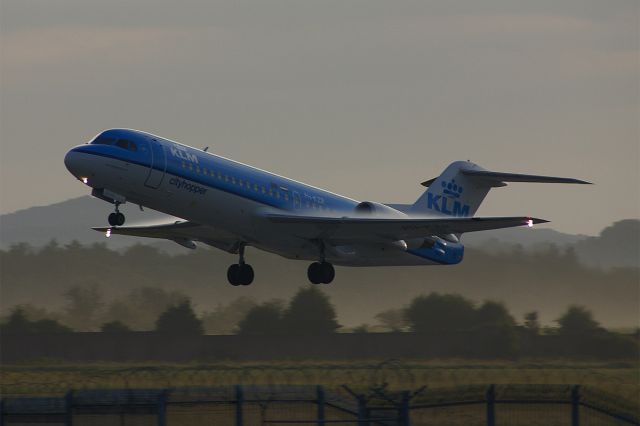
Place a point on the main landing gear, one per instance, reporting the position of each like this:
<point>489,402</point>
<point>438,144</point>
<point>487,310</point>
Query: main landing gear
<point>116,218</point>
<point>321,273</point>
<point>240,273</point>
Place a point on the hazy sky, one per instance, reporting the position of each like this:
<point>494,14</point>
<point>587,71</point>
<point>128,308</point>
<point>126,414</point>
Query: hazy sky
<point>365,98</point>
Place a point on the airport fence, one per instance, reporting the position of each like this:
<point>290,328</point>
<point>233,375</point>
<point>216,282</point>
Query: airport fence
<point>493,405</point>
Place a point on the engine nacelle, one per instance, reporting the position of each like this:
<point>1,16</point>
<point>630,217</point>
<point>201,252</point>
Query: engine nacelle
<point>370,208</point>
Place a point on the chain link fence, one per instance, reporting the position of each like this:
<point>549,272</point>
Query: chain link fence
<point>493,405</point>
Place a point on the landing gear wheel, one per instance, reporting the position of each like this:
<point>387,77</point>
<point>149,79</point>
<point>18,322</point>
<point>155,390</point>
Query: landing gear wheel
<point>120,219</point>
<point>240,274</point>
<point>116,219</point>
<point>246,274</point>
<point>328,273</point>
<point>113,219</point>
<point>314,273</point>
<point>321,273</point>
<point>233,274</point>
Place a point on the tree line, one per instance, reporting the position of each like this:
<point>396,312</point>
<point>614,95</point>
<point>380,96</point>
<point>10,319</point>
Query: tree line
<point>488,327</point>
<point>548,280</point>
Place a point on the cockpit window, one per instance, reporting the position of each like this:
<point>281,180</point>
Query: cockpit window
<point>126,144</point>
<point>104,140</point>
<point>123,143</point>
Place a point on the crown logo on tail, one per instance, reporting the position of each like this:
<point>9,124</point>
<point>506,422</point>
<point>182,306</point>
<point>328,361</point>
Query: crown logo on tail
<point>452,189</point>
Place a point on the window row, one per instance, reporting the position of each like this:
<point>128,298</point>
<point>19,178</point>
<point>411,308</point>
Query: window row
<point>237,181</point>
<point>272,190</point>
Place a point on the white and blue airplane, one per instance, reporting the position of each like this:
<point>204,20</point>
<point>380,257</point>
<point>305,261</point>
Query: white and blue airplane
<point>230,205</point>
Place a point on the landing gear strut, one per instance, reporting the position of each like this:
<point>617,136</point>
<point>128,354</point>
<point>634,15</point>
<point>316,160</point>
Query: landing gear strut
<point>321,273</point>
<point>116,218</point>
<point>240,273</point>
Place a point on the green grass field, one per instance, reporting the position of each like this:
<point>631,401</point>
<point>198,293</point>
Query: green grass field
<point>52,378</point>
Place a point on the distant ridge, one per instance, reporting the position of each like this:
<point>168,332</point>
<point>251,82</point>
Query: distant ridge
<point>69,220</point>
<point>618,244</point>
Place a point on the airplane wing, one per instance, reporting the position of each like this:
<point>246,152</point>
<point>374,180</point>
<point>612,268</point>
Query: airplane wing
<point>363,229</point>
<point>181,232</point>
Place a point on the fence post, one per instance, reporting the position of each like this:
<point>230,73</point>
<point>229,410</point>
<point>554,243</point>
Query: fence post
<point>320,401</point>
<point>363,412</point>
<point>491,405</point>
<point>575,405</point>
<point>239,404</point>
<point>405,410</point>
<point>162,407</point>
<point>68,408</point>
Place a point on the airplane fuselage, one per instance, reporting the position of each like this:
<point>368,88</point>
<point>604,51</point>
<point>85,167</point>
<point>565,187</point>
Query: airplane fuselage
<point>127,165</point>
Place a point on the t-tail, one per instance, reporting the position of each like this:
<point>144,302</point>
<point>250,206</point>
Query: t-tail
<point>460,189</point>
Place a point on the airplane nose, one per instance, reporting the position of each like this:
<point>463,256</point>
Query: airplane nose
<point>73,163</point>
<point>69,161</point>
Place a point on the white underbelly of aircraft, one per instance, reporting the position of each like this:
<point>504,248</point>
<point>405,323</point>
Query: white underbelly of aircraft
<point>182,198</point>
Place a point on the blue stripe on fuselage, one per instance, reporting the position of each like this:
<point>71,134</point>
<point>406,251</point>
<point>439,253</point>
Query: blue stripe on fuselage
<point>238,171</point>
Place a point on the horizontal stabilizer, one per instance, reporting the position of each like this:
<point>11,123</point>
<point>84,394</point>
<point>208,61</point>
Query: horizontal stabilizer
<point>499,177</point>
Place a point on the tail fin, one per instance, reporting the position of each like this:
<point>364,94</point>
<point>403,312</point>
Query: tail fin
<point>461,188</point>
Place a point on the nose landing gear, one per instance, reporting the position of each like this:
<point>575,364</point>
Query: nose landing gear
<point>240,273</point>
<point>116,218</point>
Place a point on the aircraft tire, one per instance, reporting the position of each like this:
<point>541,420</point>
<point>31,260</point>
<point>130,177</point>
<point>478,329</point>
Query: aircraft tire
<point>328,272</point>
<point>314,273</point>
<point>120,219</point>
<point>113,219</point>
<point>233,274</point>
<point>246,274</point>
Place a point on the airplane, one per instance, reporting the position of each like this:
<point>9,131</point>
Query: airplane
<point>230,205</point>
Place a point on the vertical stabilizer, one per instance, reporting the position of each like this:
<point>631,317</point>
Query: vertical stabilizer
<point>453,193</point>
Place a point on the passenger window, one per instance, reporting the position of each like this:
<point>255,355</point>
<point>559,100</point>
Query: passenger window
<point>264,191</point>
<point>286,197</point>
<point>255,187</point>
<point>233,180</point>
<point>132,146</point>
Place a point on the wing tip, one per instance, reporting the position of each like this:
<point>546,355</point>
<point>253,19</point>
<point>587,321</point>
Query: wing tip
<point>535,220</point>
